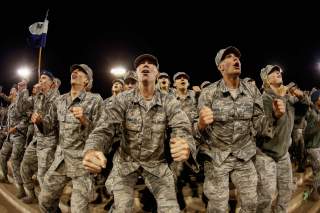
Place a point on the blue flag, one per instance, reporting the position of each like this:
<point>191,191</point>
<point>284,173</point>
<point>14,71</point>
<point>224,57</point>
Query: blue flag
<point>38,32</point>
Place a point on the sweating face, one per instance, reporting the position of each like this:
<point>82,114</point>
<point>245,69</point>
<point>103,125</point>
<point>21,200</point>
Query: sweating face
<point>230,65</point>
<point>181,82</point>
<point>147,71</point>
<point>275,77</point>
<point>46,82</point>
<point>79,77</point>
<point>164,83</point>
<point>117,87</point>
<point>130,84</point>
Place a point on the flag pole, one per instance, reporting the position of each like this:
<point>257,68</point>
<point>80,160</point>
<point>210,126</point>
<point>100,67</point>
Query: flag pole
<point>40,50</point>
<point>39,63</point>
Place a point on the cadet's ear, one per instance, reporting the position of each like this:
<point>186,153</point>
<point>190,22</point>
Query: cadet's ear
<point>220,67</point>
<point>174,84</point>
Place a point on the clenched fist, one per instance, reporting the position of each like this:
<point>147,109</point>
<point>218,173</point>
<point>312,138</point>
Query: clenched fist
<point>279,107</point>
<point>94,161</point>
<point>179,149</point>
<point>36,118</point>
<point>78,113</point>
<point>205,117</point>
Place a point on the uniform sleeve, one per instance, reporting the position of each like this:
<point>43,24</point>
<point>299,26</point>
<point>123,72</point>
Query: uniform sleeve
<point>263,119</point>
<point>180,125</point>
<point>101,136</point>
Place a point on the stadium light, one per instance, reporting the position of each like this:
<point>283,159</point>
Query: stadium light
<point>24,72</point>
<point>118,71</point>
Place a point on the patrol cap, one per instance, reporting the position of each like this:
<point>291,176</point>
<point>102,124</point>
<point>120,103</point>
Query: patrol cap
<point>223,52</point>
<point>47,73</point>
<point>163,74</point>
<point>267,70</point>
<point>143,57</point>
<point>118,80</point>
<point>86,69</point>
<point>204,84</point>
<point>130,75</point>
<point>179,74</point>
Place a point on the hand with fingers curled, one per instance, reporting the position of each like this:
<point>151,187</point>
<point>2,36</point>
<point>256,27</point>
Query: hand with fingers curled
<point>94,161</point>
<point>205,118</point>
<point>279,108</point>
<point>179,149</point>
<point>36,118</point>
<point>78,112</point>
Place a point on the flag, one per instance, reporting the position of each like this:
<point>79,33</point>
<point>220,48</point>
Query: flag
<point>38,32</point>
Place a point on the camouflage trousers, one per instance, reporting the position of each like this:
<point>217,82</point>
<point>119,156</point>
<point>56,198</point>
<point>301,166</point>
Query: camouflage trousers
<point>29,165</point>
<point>16,147</point>
<point>272,176</point>
<point>45,153</point>
<point>315,157</point>
<point>54,182</point>
<point>162,188</point>
<point>216,184</point>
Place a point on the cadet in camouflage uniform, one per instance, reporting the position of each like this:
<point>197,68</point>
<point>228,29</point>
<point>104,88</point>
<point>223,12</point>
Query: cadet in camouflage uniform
<point>163,82</point>
<point>77,113</point>
<point>117,88</point>
<point>130,80</point>
<point>29,163</point>
<point>188,104</point>
<point>312,138</point>
<point>272,162</point>
<point>231,112</point>
<point>17,124</point>
<point>47,130</point>
<point>145,113</point>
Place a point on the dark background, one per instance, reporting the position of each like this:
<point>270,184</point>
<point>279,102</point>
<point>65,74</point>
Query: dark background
<point>185,37</point>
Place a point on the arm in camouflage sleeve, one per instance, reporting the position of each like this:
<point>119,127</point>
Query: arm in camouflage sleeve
<point>205,100</point>
<point>49,121</point>
<point>100,138</point>
<point>264,120</point>
<point>180,124</point>
<point>24,103</point>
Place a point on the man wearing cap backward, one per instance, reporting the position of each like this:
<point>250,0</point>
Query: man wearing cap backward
<point>231,113</point>
<point>76,113</point>
<point>312,138</point>
<point>145,113</point>
<point>272,160</point>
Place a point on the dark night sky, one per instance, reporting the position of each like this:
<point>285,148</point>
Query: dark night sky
<point>184,39</point>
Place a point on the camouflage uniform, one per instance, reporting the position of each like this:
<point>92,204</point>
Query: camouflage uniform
<point>273,164</point>
<point>67,165</point>
<point>189,106</point>
<point>47,133</point>
<point>312,139</point>
<point>142,150</point>
<point>15,142</point>
<point>29,162</point>
<point>230,143</point>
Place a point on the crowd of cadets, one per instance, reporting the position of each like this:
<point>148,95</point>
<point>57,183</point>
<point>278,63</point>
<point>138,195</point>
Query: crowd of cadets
<point>164,137</point>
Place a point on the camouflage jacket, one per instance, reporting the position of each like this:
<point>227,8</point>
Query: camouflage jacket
<point>189,104</point>
<point>144,130</point>
<point>17,113</point>
<point>72,135</point>
<point>236,121</point>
